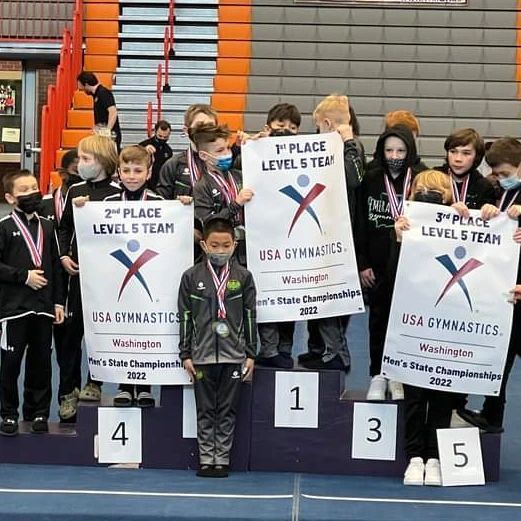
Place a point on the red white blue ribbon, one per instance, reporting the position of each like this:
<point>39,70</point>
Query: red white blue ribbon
<point>220,282</point>
<point>195,173</point>
<point>35,250</point>
<point>502,202</point>
<point>59,204</point>
<point>227,186</point>
<point>395,204</point>
<point>459,196</point>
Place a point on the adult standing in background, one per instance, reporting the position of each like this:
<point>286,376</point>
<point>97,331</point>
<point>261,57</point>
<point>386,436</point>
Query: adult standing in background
<point>105,111</point>
<point>158,147</point>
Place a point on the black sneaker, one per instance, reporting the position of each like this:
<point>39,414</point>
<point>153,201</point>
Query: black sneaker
<point>206,471</point>
<point>309,356</point>
<point>282,361</point>
<point>335,364</point>
<point>478,420</point>
<point>40,425</point>
<point>9,427</point>
<point>221,471</point>
<point>145,400</point>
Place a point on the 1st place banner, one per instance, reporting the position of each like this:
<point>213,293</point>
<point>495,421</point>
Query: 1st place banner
<point>450,320</point>
<point>299,240</point>
<point>132,256</point>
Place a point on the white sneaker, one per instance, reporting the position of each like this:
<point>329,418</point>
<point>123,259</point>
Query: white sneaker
<point>433,473</point>
<point>377,388</point>
<point>396,390</point>
<point>414,472</point>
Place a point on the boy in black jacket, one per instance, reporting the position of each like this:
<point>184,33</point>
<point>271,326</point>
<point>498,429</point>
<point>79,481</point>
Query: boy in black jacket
<point>465,149</point>
<point>217,341</point>
<point>381,194</point>
<point>98,160</point>
<point>31,297</point>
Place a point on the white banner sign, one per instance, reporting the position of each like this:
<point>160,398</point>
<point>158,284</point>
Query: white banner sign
<point>131,257</point>
<point>450,318</point>
<point>299,240</point>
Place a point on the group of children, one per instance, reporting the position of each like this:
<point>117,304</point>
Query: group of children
<point>39,280</point>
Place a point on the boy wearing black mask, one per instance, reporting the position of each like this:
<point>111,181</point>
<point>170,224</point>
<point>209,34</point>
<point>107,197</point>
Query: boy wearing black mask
<point>31,296</point>
<point>158,147</point>
<point>380,198</point>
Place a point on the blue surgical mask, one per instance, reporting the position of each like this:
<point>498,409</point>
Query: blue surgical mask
<point>510,183</point>
<point>224,163</point>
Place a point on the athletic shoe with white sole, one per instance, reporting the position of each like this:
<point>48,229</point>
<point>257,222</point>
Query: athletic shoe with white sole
<point>377,388</point>
<point>433,473</point>
<point>414,472</point>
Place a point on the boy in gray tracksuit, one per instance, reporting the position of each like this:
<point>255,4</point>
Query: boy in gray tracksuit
<point>218,341</point>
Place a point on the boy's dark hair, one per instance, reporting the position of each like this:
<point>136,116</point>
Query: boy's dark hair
<point>87,78</point>
<point>198,108</point>
<point>355,125</point>
<point>68,158</point>
<point>504,150</point>
<point>464,137</point>
<point>163,125</point>
<point>9,179</point>
<point>208,133</point>
<point>217,225</point>
<point>283,111</point>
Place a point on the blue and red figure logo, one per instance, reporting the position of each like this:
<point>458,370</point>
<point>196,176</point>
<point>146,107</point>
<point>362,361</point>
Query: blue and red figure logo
<point>304,202</point>
<point>458,273</point>
<point>133,266</point>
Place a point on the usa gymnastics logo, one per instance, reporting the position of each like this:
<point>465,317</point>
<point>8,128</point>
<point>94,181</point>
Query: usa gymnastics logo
<point>457,273</point>
<point>133,267</point>
<point>304,202</point>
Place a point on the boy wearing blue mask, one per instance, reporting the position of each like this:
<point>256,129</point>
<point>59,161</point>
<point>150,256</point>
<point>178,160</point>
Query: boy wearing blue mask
<point>219,193</point>
<point>504,157</point>
<point>217,341</point>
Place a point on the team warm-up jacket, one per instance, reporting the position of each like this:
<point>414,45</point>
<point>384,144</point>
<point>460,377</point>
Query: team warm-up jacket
<point>354,171</point>
<point>16,298</point>
<point>198,310</point>
<point>209,202</point>
<point>480,190</point>
<point>374,222</point>
<point>134,196</point>
<point>174,176</point>
<point>97,192</point>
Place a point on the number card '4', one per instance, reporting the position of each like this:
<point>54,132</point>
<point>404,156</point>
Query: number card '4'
<point>296,400</point>
<point>119,435</point>
<point>374,431</point>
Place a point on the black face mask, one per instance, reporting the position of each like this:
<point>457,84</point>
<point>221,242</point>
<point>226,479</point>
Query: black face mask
<point>160,141</point>
<point>429,196</point>
<point>29,203</point>
<point>278,132</point>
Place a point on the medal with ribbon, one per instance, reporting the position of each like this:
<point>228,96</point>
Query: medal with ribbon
<point>195,173</point>
<point>395,204</point>
<point>227,186</point>
<point>459,195</point>
<point>35,250</point>
<point>502,206</point>
<point>220,282</point>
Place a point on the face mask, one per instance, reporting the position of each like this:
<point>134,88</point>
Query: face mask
<point>29,203</point>
<point>395,165</point>
<point>429,196</point>
<point>224,163</point>
<point>219,259</point>
<point>160,141</point>
<point>278,132</point>
<point>89,172</point>
<point>510,183</point>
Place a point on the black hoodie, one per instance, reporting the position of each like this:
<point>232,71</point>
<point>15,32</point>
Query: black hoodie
<point>374,222</point>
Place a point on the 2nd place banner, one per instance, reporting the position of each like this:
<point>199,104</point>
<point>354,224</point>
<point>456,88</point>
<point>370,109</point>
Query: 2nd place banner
<point>299,240</point>
<point>132,256</point>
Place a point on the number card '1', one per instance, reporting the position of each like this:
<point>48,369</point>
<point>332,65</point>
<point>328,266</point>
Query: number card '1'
<point>119,435</point>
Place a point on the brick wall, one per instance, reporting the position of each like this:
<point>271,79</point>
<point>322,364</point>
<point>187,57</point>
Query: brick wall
<point>10,65</point>
<point>46,77</point>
